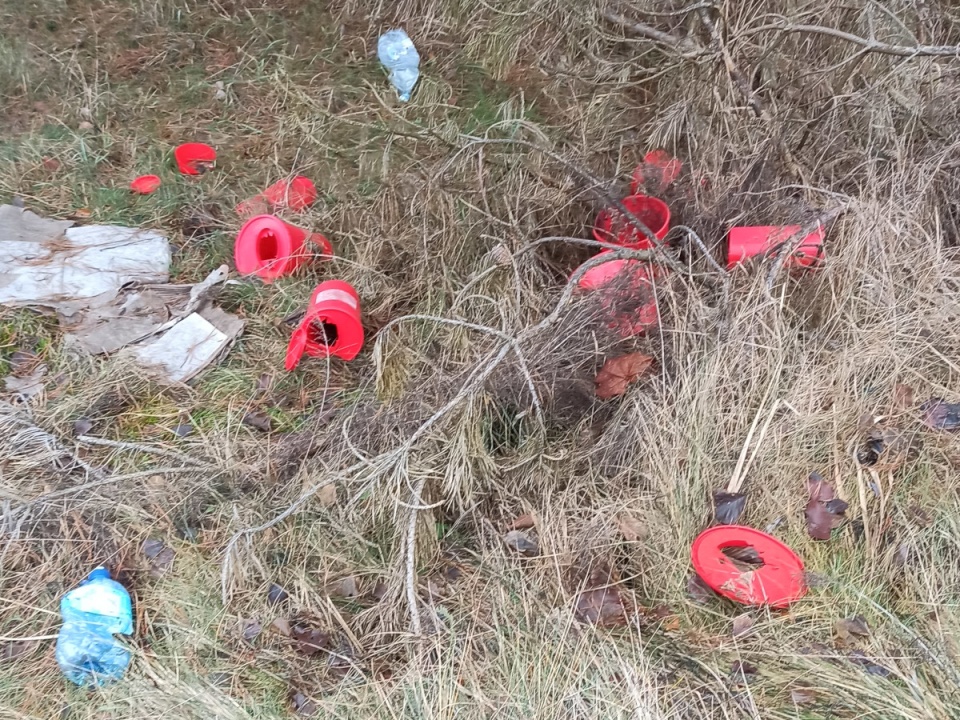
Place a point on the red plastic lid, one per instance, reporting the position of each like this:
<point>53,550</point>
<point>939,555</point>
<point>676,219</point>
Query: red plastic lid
<point>297,194</point>
<point>778,582</point>
<point>145,184</point>
<point>195,158</point>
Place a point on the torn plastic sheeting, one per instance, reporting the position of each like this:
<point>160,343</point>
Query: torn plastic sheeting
<point>47,262</point>
<point>189,346</point>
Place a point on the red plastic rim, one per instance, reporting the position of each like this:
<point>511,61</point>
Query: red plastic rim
<point>268,247</point>
<point>145,184</point>
<point>612,227</point>
<point>297,194</point>
<point>626,291</point>
<point>778,582</point>
<point>195,158</point>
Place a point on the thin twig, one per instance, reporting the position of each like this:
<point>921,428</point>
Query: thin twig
<point>789,247</point>
<point>686,46</point>
<point>752,99</point>
<point>867,44</point>
<point>110,480</point>
<point>139,447</point>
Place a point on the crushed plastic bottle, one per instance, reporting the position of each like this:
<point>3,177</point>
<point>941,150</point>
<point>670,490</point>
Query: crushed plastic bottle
<point>87,651</point>
<point>399,55</point>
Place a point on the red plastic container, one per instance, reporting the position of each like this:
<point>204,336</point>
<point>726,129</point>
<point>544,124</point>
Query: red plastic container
<point>331,325</point>
<point>658,171</point>
<point>778,582</point>
<point>195,158</point>
<point>613,227</point>
<point>744,243</point>
<point>297,194</point>
<point>268,247</point>
<point>627,293</point>
<point>145,184</point>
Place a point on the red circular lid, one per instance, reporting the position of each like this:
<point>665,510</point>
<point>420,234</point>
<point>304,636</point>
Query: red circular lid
<point>194,158</point>
<point>145,184</point>
<point>778,582</point>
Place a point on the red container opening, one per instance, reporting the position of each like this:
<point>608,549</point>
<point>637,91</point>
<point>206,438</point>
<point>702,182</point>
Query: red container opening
<point>269,248</point>
<point>612,226</point>
<point>331,325</point>
<point>195,158</point>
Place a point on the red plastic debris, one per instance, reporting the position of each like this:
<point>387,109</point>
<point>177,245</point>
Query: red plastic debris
<point>296,194</point>
<point>778,582</point>
<point>614,227</point>
<point>330,327</point>
<point>268,247</point>
<point>145,184</point>
<point>658,171</point>
<point>747,242</point>
<point>626,291</point>
<point>195,158</point>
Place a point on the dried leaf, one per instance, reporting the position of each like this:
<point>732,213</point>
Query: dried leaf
<point>824,511</point>
<point>15,648</point>
<point>183,430</point>
<point>860,658</point>
<point>22,362</point>
<point>742,624</point>
<point>699,591</point>
<point>886,448</point>
<point>282,626</point>
<point>941,415</point>
<point>631,528</point>
<point>523,522</point>
<point>848,630</point>
<point>728,507</point>
<point>51,164</point>
<point>276,594</point>
<point>741,669</point>
<point>82,426</point>
<point>327,495</point>
<point>379,590</point>
<point>251,629</point>
<point>160,557</point>
<point>81,213</point>
<point>302,705</point>
<point>259,420</point>
<point>803,696</point>
<point>522,543</point>
<point>309,641</point>
<point>618,373</point>
<point>902,397</point>
<point>599,602</point>
<point>345,588</point>
<point>27,386</point>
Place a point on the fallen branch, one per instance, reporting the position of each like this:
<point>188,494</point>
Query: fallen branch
<point>868,45</point>
<point>752,99</point>
<point>686,46</point>
<point>139,447</point>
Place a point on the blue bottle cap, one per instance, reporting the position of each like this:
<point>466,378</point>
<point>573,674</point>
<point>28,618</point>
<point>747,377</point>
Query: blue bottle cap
<point>98,573</point>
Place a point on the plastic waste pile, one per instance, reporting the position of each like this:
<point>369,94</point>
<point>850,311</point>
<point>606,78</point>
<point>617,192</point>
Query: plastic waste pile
<point>93,613</point>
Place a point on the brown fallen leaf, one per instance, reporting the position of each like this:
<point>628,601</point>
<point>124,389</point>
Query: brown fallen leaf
<point>51,164</point>
<point>940,415</point>
<point>728,507</point>
<point>631,528</point>
<point>15,648</point>
<point>902,397</point>
<point>281,626</point>
<point>259,420</point>
<point>699,591</point>
<point>742,624</point>
<point>250,629</point>
<point>847,630</point>
<point>824,510</point>
<point>344,588</point>
<point>160,557</point>
<point>618,373</point>
<point>302,705</point>
<point>803,696</point>
<point>309,641</point>
<point>276,594</point>
<point>520,542</point>
<point>327,495</point>
<point>80,213</point>
<point>82,426</point>
<point>599,601</point>
<point>523,522</point>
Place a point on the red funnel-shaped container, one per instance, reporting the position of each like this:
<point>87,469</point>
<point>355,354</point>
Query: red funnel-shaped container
<point>626,292</point>
<point>614,227</point>
<point>195,158</point>
<point>268,247</point>
<point>331,325</point>
<point>744,243</point>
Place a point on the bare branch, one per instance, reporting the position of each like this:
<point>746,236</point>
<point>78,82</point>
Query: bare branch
<point>685,45</point>
<point>866,44</point>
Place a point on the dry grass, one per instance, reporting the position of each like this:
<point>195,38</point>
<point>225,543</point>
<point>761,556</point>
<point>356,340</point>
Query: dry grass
<point>479,407</point>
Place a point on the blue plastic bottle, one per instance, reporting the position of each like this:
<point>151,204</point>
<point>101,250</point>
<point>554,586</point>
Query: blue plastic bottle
<point>398,55</point>
<point>87,651</point>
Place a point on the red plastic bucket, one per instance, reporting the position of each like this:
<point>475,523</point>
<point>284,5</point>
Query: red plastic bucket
<point>331,325</point>
<point>614,227</point>
<point>268,247</point>
<point>194,158</point>
<point>744,243</point>
<point>297,194</point>
<point>627,293</point>
<point>778,582</point>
